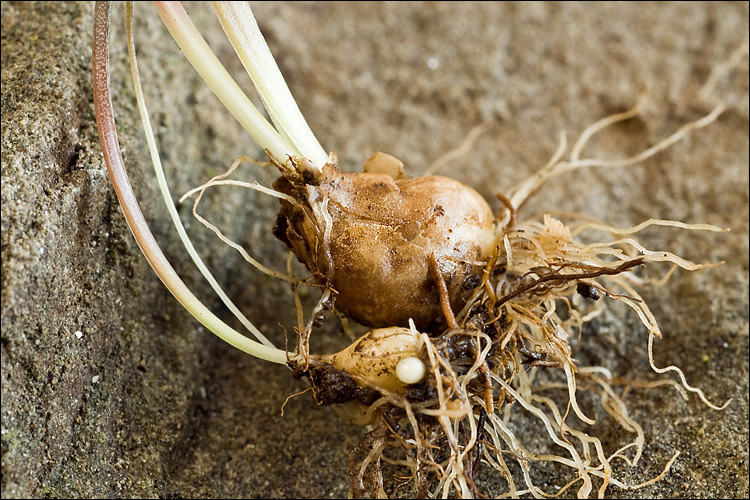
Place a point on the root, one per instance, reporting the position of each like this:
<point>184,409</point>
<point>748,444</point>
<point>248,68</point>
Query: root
<point>460,151</point>
<point>218,181</point>
<point>672,368</point>
<point>723,68</point>
<point>556,166</point>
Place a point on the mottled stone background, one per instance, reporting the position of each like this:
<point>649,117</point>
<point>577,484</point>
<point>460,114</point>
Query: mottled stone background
<point>110,389</point>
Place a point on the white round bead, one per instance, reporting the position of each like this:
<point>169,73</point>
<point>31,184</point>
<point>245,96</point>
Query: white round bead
<point>410,370</point>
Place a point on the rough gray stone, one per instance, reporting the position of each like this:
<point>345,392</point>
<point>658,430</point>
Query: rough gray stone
<point>110,389</point>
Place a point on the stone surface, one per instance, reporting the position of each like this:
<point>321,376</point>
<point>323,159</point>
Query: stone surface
<point>110,389</point>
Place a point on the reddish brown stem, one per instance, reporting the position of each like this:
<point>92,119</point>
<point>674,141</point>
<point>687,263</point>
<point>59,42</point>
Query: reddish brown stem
<point>105,122</point>
<point>565,278</point>
<point>445,302</point>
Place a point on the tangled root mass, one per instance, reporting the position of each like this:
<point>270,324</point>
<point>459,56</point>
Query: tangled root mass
<point>498,308</point>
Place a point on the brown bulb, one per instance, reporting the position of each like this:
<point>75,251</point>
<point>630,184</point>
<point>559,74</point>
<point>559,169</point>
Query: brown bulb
<point>375,248</point>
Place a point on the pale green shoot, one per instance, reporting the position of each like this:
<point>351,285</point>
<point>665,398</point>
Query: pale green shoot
<point>242,30</point>
<point>207,65</point>
<point>263,350</point>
